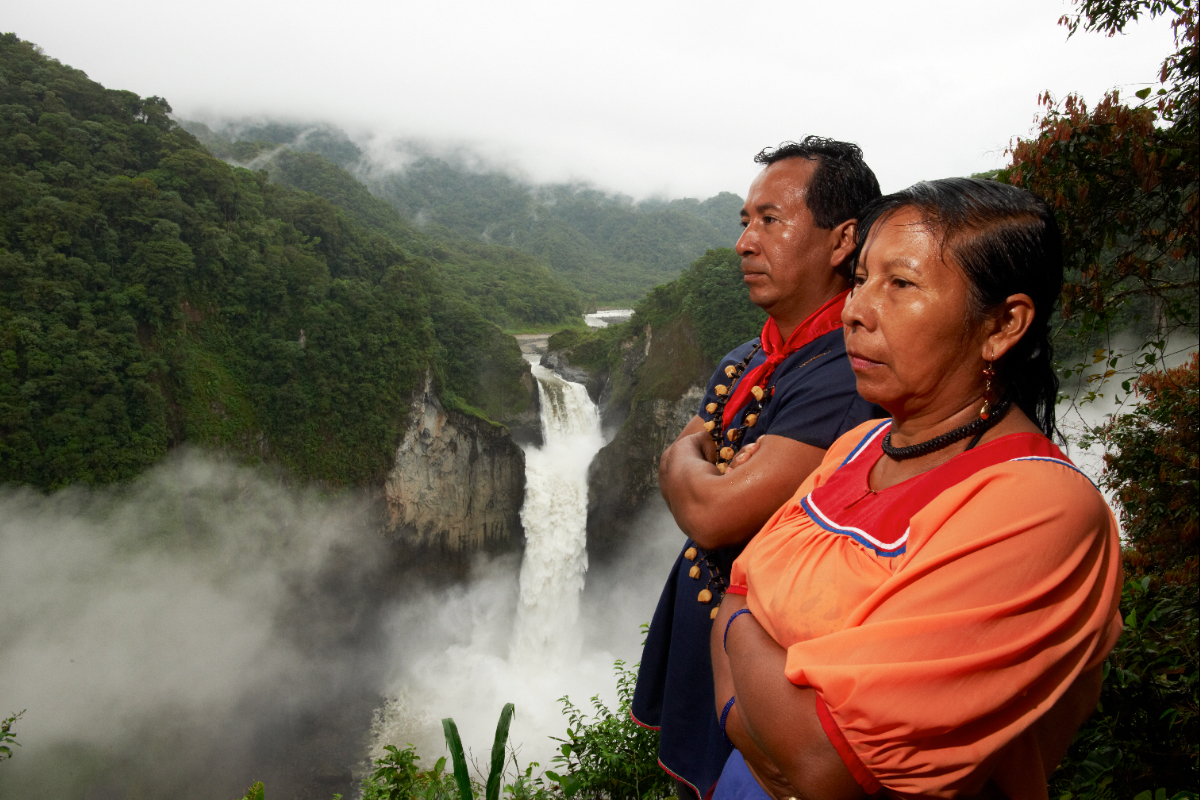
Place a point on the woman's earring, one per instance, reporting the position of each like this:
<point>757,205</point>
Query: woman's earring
<point>989,395</point>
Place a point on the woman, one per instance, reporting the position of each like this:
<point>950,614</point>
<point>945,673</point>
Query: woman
<point>929,613</point>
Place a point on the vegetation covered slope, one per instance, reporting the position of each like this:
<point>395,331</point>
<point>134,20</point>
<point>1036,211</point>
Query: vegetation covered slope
<point>510,287</point>
<point>607,247</point>
<point>151,295</point>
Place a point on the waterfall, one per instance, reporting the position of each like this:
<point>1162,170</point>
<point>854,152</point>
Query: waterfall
<point>555,519</point>
<point>507,637</point>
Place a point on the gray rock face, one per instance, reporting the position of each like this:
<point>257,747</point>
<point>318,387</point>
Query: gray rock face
<point>558,362</point>
<point>624,475</point>
<point>457,485</point>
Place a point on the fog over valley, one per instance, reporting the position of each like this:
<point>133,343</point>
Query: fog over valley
<point>340,344</point>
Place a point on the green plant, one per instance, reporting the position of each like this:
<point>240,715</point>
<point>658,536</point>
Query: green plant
<point>7,736</point>
<point>496,771</point>
<point>610,755</point>
<point>1146,728</point>
<point>1152,465</point>
<point>256,792</point>
<point>397,776</point>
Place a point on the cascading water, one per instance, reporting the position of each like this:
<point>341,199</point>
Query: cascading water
<point>555,520</point>
<point>472,675</point>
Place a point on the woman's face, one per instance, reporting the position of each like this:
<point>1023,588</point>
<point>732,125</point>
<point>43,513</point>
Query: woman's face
<point>914,343</point>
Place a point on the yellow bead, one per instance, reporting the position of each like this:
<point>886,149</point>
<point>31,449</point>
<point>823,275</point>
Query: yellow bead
<point>731,434</point>
<point>730,371</point>
<point>751,419</point>
<point>713,614</point>
<point>690,554</point>
<point>704,596</point>
<point>708,426</point>
<point>758,392</point>
<point>721,467</point>
<point>711,408</point>
<point>721,390</point>
<point>726,453</point>
<point>694,572</point>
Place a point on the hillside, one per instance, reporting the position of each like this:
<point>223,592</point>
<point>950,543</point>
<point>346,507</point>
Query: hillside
<point>607,247</point>
<point>152,295</point>
<point>508,286</point>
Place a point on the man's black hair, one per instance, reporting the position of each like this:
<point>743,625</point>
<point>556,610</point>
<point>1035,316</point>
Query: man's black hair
<point>840,186</point>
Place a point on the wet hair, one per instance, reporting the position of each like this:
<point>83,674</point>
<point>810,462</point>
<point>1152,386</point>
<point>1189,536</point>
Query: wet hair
<point>1006,242</point>
<point>841,185</point>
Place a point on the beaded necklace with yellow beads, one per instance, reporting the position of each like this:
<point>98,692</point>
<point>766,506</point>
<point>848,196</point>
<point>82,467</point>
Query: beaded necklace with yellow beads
<point>725,439</point>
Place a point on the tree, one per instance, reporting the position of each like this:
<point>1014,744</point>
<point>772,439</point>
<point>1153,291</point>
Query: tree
<point>1123,182</point>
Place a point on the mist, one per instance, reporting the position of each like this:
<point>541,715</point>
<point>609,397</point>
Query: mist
<point>208,626</point>
<point>644,99</point>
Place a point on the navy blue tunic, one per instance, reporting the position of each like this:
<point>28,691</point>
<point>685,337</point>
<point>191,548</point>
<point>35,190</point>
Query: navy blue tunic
<point>814,402</point>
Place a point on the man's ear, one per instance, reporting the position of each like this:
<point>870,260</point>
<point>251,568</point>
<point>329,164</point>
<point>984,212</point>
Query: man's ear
<point>843,237</point>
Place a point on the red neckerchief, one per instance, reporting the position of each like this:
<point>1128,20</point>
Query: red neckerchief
<point>825,319</point>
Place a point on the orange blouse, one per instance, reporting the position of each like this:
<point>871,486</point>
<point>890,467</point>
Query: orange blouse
<point>940,618</point>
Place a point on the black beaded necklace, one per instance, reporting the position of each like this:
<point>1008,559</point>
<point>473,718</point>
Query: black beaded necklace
<point>977,427</point>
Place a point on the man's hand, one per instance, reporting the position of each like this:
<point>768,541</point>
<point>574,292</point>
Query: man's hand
<point>742,456</point>
<point>718,510</point>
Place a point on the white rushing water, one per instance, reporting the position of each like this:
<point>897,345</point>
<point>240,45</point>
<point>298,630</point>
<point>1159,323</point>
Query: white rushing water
<point>476,647</point>
<point>555,519</point>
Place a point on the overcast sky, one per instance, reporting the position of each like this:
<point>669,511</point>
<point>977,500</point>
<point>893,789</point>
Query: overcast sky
<point>641,97</point>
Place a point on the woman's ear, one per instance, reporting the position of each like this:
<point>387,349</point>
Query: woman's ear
<point>1009,323</point>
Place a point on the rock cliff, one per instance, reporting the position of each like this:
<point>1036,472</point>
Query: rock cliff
<point>648,398</point>
<point>457,484</point>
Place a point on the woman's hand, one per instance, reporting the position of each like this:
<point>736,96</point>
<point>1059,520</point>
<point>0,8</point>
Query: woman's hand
<point>773,723</point>
<point>764,771</point>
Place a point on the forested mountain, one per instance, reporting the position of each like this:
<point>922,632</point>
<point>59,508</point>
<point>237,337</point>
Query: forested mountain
<point>510,287</point>
<point>151,294</point>
<point>607,247</point>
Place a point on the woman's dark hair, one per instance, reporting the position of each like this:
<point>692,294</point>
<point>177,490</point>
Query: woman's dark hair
<point>841,185</point>
<point>1007,242</point>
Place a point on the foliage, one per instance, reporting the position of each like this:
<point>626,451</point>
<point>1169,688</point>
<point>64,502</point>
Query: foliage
<point>397,777</point>
<point>718,305</point>
<point>256,792</point>
<point>709,297</point>
<point>152,295</point>
<point>8,736</point>
<point>1152,464</point>
<point>1144,733</point>
<point>609,755</point>
<point>608,248</point>
<point>509,287</point>
<point>1123,182</point>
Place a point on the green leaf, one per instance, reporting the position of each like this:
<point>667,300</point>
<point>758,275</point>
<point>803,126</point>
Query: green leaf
<point>1142,94</point>
<point>454,745</point>
<point>496,773</point>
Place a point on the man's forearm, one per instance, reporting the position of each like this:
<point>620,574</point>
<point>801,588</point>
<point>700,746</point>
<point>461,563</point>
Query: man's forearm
<point>718,510</point>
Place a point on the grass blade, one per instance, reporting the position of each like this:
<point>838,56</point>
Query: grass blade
<point>461,777</point>
<point>496,774</point>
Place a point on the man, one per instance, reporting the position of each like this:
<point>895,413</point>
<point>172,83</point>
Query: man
<point>773,407</point>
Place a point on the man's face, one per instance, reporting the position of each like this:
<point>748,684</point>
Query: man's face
<point>783,253</point>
